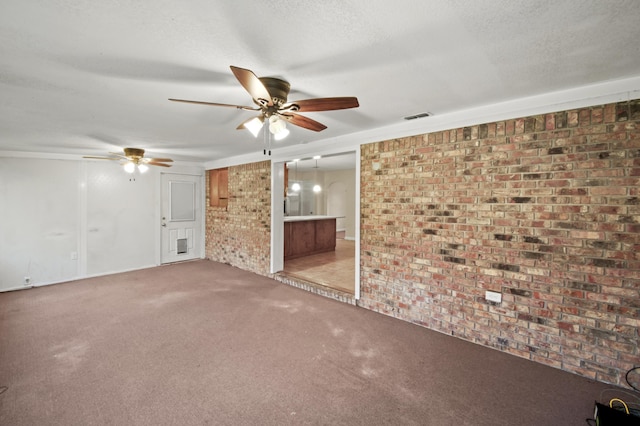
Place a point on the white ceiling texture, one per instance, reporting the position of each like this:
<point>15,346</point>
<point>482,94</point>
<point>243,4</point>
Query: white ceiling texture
<point>87,77</point>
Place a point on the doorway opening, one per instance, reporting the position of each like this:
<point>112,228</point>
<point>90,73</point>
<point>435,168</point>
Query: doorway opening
<point>309,216</point>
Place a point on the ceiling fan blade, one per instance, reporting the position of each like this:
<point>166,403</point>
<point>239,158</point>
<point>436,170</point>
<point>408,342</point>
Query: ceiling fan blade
<point>322,104</point>
<point>103,158</point>
<point>159,159</point>
<point>302,121</point>
<point>153,163</point>
<point>246,108</point>
<point>253,85</point>
<point>241,125</point>
<point>120,156</point>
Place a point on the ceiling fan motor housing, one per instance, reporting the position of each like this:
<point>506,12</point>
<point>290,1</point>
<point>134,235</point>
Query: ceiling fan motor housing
<point>135,154</point>
<point>278,89</point>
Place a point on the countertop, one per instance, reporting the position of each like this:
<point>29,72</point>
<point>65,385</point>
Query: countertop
<point>310,217</point>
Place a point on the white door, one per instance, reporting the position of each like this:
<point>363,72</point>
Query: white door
<point>181,218</point>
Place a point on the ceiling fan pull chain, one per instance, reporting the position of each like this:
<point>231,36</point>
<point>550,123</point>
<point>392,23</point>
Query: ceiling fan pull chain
<point>266,141</point>
<point>265,135</point>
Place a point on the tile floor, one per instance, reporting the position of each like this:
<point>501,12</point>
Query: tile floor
<point>334,269</point>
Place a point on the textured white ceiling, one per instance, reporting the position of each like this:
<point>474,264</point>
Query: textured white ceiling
<point>88,77</point>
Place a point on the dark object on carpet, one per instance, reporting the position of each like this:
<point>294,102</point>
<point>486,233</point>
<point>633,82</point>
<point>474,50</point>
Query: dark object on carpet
<point>607,416</point>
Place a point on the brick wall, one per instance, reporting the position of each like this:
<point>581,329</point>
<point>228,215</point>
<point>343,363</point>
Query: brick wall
<point>544,209</point>
<point>239,234</point>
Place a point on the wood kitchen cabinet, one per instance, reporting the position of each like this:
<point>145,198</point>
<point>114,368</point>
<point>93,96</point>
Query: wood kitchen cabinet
<point>219,187</point>
<point>304,237</point>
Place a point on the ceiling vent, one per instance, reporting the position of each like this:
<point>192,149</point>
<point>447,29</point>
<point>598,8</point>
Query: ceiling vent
<point>421,115</point>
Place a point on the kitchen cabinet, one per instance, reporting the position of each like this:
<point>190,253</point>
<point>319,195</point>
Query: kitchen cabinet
<point>307,235</point>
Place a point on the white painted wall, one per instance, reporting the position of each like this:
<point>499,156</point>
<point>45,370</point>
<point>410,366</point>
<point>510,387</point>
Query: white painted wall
<point>121,218</point>
<point>53,209</point>
<point>336,196</point>
<point>346,179</point>
<point>38,221</point>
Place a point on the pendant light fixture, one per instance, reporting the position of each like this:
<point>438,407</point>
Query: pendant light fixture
<point>296,186</point>
<point>316,188</point>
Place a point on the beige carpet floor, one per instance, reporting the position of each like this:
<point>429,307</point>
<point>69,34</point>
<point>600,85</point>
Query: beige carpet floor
<point>201,343</point>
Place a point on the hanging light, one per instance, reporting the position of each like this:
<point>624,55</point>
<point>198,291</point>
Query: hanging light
<point>143,167</point>
<point>296,186</point>
<point>316,188</point>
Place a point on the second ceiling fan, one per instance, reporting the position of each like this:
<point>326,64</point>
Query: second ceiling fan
<point>270,98</point>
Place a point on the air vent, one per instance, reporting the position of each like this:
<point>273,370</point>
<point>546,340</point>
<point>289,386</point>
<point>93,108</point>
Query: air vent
<point>421,115</point>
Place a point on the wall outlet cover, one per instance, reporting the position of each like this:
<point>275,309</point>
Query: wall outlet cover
<point>493,296</point>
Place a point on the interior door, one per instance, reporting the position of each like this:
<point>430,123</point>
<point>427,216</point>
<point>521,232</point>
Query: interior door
<point>181,218</point>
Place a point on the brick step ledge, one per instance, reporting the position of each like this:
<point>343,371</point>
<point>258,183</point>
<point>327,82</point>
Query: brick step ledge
<point>321,290</point>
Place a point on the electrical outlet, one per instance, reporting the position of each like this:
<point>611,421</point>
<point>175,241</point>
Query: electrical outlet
<point>493,296</point>
<point>74,255</point>
<point>27,280</point>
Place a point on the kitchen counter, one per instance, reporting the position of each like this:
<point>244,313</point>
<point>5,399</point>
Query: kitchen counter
<point>310,217</point>
<point>307,235</point>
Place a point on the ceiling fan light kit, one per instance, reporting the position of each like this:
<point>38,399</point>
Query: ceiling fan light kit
<point>270,95</point>
<point>278,128</point>
<point>254,125</point>
<point>130,167</point>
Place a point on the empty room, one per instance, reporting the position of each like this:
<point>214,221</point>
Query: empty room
<point>354,213</point>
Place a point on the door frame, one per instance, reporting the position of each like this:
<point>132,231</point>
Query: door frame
<point>277,219</point>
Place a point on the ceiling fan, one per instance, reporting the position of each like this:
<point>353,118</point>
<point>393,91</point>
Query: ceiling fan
<point>270,98</point>
<point>135,157</point>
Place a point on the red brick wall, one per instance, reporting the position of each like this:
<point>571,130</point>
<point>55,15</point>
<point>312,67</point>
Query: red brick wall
<point>240,234</point>
<point>544,209</point>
